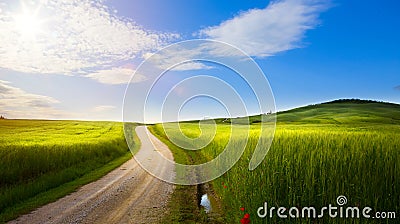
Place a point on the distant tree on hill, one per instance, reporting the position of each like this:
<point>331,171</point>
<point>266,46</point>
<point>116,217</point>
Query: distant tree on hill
<point>357,101</point>
<point>2,118</point>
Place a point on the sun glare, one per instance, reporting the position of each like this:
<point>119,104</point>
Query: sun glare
<point>27,23</point>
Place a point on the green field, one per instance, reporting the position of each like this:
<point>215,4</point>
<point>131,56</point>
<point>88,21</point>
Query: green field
<point>44,160</point>
<point>319,152</point>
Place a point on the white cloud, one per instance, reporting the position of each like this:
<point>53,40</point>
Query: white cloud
<point>190,65</point>
<point>116,75</point>
<point>16,103</point>
<point>178,57</point>
<point>14,96</point>
<point>103,108</point>
<point>70,36</point>
<point>264,32</point>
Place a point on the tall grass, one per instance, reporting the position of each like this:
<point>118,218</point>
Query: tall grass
<point>37,156</point>
<point>309,165</point>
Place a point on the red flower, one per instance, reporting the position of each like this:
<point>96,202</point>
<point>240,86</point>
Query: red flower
<point>224,186</point>
<point>245,219</point>
<point>242,209</point>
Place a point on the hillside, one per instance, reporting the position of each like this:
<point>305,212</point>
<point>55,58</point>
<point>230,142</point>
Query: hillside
<point>344,111</point>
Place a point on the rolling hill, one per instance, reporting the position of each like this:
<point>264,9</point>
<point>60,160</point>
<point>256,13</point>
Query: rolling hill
<point>343,111</point>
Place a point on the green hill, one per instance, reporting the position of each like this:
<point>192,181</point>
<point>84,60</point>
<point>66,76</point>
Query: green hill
<point>344,112</point>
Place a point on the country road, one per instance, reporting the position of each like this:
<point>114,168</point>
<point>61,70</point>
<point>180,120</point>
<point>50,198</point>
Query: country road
<point>126,195</point>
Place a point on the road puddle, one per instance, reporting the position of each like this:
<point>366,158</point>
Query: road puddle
<point>205,203</point>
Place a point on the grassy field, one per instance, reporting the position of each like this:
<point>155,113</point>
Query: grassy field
<point>319,152</point>
<point>44,160</point>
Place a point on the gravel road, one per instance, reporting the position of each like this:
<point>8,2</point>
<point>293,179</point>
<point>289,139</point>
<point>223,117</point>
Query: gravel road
<point>126,195</point>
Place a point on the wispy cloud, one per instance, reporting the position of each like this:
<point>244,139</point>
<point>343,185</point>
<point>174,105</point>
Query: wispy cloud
<point>175,58</point>
<point>103,108</point>
<point>397,87</point>
<point>74,35</point>
<point>116,75</point>
<point>16,103</point>
<point>264,32</point>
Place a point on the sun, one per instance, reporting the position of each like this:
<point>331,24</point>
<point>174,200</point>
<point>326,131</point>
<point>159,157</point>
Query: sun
<point>27,23</point>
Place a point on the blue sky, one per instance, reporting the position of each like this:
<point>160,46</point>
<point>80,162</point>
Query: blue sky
<point>73,59</point>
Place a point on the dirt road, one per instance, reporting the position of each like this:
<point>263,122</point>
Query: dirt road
<point>126,195</point>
